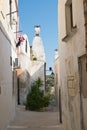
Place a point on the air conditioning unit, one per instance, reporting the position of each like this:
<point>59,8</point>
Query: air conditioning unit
<point>16,63</point>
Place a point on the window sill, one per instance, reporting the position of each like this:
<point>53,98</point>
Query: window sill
<point>70,34</point>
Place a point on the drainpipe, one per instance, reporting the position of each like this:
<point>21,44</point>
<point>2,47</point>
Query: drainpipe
<point>85,18</point>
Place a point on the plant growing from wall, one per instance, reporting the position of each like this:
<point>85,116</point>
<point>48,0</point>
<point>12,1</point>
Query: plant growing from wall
<point>34,58</point>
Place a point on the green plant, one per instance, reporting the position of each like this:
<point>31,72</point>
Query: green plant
<point>36,100</point>
<point>46,100</point>
<point>34,58</point>
<point>35,96</point>
<point>38,82</point>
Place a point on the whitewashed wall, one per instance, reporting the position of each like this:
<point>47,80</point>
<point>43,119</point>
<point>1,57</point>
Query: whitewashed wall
<point>69,52</point>
<point>7,50</point>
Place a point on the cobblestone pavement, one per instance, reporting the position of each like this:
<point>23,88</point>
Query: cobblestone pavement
<point>28,120</point>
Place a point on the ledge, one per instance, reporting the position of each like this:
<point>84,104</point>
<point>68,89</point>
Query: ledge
<point>70,34</point>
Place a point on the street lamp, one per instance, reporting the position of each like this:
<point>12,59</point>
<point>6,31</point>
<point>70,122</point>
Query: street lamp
<point>51,70</point>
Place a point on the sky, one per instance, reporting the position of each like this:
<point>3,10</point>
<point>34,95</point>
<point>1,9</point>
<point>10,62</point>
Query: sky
<point>43,13</point>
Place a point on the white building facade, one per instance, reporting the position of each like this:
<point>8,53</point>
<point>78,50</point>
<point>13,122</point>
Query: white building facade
<point>38,63</point>
<point>7,60</point>
<point>23,71</point>
<point>72,63</point>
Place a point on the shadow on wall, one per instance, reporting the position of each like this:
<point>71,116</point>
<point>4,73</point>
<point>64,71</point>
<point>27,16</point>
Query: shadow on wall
<point>23,86</point>
<point>39,70</point>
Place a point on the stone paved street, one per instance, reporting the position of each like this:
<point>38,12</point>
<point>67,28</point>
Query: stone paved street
<point>27,120</point>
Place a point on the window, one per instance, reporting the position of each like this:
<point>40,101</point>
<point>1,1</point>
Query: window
<point>16,62</point>
<point>26,46</point>
<point>10,60</point>
<point>69,16</point>
<point>70,28</point>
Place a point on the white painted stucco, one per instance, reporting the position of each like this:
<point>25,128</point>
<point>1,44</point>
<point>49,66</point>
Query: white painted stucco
<point>23,53</point>
<point>38,66</point>
<point>7,50</point>
<point>37,46</point>
<point>23,56</point>
<point>69,52</point>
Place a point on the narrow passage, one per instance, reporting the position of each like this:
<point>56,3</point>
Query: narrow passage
<point>28,120</point>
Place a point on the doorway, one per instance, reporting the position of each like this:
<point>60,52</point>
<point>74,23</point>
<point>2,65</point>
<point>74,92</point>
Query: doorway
<point>83,91</point>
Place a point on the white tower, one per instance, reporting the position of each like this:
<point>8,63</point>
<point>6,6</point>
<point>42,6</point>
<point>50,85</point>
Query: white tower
<point>37,45</point>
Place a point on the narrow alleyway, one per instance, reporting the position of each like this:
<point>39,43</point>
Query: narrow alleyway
<point>28,120</point>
